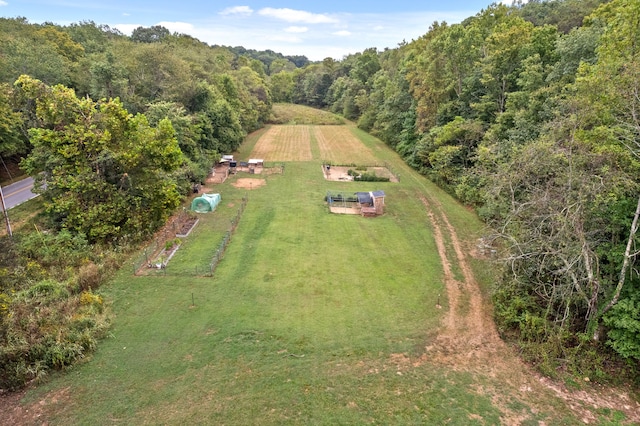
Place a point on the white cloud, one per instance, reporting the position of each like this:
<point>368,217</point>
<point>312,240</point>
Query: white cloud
<point>237,10</point>
<point>296,29</point>
<point>126,28</point>
<point>3,3</point>
<point>178,27</point>
<point>291,15</point>
<point>332,36</point>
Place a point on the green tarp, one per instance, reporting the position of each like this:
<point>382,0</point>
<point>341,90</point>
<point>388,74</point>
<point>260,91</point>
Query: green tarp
<point>205,203</point>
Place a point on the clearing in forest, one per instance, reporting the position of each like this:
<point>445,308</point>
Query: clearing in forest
<point>316,318</point>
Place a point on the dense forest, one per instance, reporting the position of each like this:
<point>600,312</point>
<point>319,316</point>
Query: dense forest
<point>527,113</point>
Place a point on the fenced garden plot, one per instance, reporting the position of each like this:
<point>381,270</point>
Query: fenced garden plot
<point>211,247</point>
<point>222,172</point>
<point>224,243</point>
<point>273,168</point>
<point>367,204</point>
<point>165,244</point>
<point>219,174</point>
<point>359,173</point>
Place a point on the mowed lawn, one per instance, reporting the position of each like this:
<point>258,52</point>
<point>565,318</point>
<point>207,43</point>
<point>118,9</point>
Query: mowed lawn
<point>310,318</point>
<point>336,144</point>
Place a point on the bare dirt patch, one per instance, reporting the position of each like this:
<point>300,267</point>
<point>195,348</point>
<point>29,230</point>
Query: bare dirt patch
<point>249,183</point>
<point>219,175</point>
<point>12,412</point>
<point>466,332</point>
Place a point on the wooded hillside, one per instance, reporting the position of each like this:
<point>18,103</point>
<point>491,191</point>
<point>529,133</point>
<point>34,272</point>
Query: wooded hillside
<point>527,113</point>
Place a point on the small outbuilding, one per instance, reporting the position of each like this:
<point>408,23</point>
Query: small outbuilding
<point>367,204</point>
<point>371,203</point>
<point>205,203</point>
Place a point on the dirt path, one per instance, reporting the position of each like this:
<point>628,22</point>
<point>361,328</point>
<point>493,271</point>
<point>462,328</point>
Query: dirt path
<point>468,341</point>
<point>468,331</point>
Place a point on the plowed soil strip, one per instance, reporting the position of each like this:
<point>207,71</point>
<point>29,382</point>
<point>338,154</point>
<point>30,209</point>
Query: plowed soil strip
<point>338,145</point>
<point>284,143</point>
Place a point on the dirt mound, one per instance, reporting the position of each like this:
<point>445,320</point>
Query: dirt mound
<point>249,183</point>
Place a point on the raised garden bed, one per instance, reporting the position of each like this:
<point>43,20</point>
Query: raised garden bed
<point>171,247</point>
<point>187,226</point>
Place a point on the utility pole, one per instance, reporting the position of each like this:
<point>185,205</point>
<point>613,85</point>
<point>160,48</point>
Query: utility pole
<point>6,215</point>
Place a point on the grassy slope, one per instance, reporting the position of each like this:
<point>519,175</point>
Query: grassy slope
<point>302,322</point>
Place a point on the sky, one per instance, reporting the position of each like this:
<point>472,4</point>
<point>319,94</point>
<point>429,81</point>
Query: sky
<point>315,29</point>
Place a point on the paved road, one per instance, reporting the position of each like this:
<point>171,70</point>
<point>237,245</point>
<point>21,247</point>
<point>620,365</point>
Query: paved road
<point>18,192</point>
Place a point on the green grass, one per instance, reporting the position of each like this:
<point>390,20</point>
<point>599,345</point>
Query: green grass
<point>24,214</point>
<point>249,142</point>
<point>299,324</point>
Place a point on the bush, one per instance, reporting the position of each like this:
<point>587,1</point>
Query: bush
<point>49,329</point>
<point>89,276</point>
<point>55,249</point>
<point>45,292</point>
<point>366,177</point>
<point>623,321</point>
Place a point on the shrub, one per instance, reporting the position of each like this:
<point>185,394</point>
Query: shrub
<point>90,299</point>
<point>89,276</point>
<point>623,321</point>
<point>366,177</point>
<point>55,249</point>
<point>46,292</point>
<point>49,328</point>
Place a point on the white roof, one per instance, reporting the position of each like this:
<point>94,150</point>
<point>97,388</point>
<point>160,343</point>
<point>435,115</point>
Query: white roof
<point>256,160</point>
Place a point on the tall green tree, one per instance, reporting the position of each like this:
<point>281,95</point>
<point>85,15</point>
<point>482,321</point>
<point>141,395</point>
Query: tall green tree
<point>108,174</point>
<point>612,84</point>
<point>153,34</point>
<point>281,86</point>
<point>12,140</point>
<point>25,49</point>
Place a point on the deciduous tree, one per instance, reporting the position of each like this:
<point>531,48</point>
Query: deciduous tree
<point>108,174</point>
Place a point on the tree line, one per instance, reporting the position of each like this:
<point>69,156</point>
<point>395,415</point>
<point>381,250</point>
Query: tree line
<point>528,113</point>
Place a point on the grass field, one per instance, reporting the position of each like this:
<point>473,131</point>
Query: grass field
<point>311,318</point>
<point>284,143</point>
